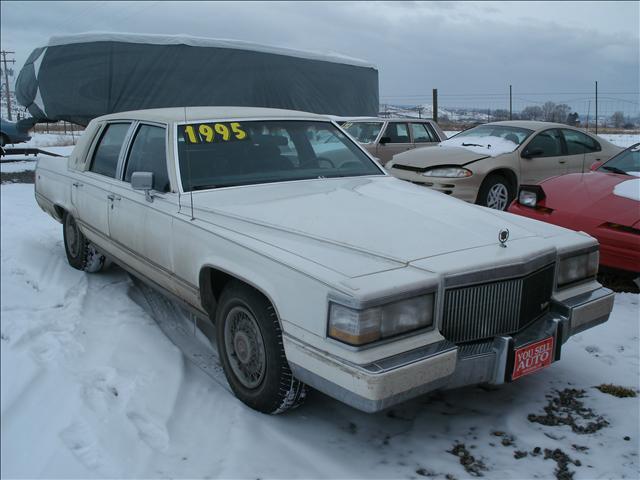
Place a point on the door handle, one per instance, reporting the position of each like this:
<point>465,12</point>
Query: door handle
<point>113,197</point>
<point>563,161</point>
<point>76,184</point>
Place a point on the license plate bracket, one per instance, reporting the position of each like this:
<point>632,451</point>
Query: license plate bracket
<point>532,357</point>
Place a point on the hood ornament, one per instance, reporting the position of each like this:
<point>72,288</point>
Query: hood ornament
<point>503,236</point>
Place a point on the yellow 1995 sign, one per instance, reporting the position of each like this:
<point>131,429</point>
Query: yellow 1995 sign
<point>214,132</point>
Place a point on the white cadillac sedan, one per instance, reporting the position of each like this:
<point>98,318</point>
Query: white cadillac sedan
<point>319,270</point>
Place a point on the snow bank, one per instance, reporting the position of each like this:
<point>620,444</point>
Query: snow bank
<point>628,189</point>
<point>491,146</point>
<point>91,387</point>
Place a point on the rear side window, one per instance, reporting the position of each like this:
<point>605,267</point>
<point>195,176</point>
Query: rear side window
<point>149,154</point>
<point>579,143</point>
<point>105,158</point>
<point>397,133</point>
<point>546,144</point>
<point>422,134</point>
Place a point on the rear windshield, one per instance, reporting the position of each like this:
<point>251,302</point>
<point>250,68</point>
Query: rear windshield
<point>516,135</point>
<point>364,132</point>
<point>223,154</point>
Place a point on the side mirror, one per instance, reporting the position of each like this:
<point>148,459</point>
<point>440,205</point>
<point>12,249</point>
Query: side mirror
<point>143,181</point>
<point>536,152</point>
<point>385,140</point>
<point>596,165</point>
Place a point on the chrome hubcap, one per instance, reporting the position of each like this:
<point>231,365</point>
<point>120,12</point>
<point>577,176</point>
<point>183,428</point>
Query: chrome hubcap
<point>73,236</point>
<point>245,347</point>
<point>497,197</point>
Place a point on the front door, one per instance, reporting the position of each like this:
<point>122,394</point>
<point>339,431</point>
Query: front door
<point>395,139</point>
<point>547,157</point>
<point>139,227</point>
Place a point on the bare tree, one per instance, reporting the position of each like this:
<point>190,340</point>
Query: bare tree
<point>531,113</point>
<point>617,119</point>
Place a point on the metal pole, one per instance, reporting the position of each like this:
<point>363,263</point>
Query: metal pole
<point>6,81</point>
<point>596,107</point>
<point>435,105</point>
<point>510,103</point>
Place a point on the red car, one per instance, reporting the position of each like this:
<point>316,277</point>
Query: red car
<point>605,203</point>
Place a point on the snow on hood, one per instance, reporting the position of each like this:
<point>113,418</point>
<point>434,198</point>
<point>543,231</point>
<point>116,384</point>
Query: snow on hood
<point>628,189</point>
<point>490,146</point>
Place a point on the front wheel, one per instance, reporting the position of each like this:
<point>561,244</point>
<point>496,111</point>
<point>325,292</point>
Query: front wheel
<point>81,254</point>
<point>496,192</point>
<point>249,342</point>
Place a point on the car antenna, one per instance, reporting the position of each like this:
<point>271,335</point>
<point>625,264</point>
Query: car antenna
<point>187,150</point>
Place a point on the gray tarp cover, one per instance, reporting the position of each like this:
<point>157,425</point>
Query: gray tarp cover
<point>80,77</point>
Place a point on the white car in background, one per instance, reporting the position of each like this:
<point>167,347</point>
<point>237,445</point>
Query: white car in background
<point>331,274</point>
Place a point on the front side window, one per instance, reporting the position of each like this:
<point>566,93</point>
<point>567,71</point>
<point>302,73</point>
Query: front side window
<point>516,135</point>
<point>421,133</point>
<point>105,157</point>
<point>224,154</point>
<point>579,143</point>
<point>149,154</point>
<point>364,132</point>
<point>546,144</point>
<point>397,133</point>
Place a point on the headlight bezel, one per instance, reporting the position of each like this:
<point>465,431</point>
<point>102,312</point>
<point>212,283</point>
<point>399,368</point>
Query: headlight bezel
<point>360,307</point>
<point>591,256</point>
<point>466,173</point>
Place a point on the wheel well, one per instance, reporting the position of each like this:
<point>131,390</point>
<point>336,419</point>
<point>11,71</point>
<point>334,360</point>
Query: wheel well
<point>212,281</point>
<point>505,172</point>
<point>59,211</point>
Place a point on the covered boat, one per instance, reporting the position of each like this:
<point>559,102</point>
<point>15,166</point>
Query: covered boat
<point>79,77</point>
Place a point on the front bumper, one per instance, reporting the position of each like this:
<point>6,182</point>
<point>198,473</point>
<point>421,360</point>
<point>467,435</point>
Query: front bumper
<point>443,365</point>
<point>462,188</point>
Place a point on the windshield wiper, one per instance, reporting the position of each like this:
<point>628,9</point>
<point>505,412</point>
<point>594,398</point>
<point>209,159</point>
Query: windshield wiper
<point>472,145</point>
<point>615,170</point>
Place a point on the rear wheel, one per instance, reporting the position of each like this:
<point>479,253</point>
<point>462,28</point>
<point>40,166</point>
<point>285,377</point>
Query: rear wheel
<point>496,192</point>
<point>81,254</point>
<point>250,345</point>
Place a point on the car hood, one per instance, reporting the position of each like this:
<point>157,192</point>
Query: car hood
<point>591,195</point>
<point>357,226</point>
<point>436,155</point>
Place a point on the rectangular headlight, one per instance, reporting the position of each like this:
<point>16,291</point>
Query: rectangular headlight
<point>578,267</point>
<point>359,327</point>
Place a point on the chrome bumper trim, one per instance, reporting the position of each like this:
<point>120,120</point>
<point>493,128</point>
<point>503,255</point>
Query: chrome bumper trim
<point>486,362</point>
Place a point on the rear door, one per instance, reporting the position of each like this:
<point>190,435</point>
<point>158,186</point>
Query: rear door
<point>396,139</point>
<point>91,192</point>
<point>548,157</point>
<point>582,150</point>
<point>423,135</point>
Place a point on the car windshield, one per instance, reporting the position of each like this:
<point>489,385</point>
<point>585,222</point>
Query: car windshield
<point>364,132</point>
<point>626,162</point>
<point>516,135</point>
<point>223,154</point>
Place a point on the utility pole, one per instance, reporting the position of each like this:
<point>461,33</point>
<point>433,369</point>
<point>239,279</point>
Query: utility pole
<point>435,105</point>
<point>4,54</point>
<point>510,103</point>
<point>596,107</point>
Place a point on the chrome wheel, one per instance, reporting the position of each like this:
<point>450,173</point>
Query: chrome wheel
<point>498,197</point>
<point>73,236</point>
<point>245,347</point>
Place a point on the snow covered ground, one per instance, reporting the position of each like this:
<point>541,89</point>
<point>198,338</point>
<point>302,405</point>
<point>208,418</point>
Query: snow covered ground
<point>91,387</point>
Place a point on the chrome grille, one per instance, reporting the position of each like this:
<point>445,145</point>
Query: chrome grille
<point>482,311</point>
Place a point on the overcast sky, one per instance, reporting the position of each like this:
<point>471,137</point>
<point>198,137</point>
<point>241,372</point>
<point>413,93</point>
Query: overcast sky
<point>458,47</point>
